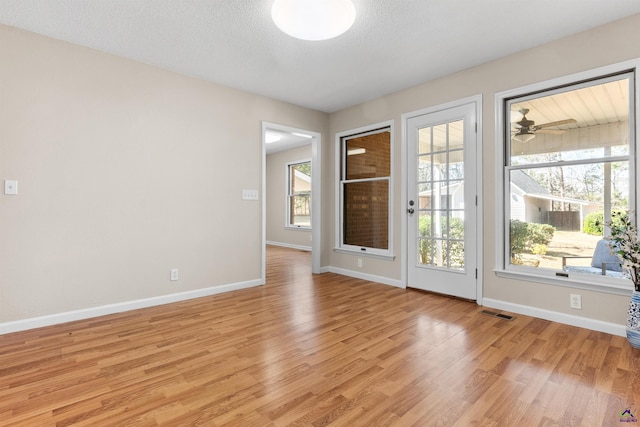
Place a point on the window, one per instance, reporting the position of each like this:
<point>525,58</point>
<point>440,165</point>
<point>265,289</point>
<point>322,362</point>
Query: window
<point>299,195</point>
<point>568,164</point>
<point>365,176</point>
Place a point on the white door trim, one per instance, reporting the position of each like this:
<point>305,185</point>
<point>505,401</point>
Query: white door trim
<point>404,247</point>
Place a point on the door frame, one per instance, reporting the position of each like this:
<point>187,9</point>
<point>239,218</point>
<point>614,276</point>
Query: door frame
<point>316,188</point>
<point>404,197</point>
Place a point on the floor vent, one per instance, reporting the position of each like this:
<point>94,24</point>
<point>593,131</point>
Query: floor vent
<point>500,315</point>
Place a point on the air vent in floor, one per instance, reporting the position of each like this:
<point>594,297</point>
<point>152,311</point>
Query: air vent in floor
<point>500,315</point>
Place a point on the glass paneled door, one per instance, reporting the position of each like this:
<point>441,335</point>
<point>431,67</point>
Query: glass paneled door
<point>442,201</point>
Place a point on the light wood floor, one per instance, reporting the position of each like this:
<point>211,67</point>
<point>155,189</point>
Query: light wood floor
<point>316,350</point>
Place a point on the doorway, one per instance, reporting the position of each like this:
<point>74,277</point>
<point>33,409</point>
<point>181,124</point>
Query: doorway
<point>442,189</point>
<point>277,139</point>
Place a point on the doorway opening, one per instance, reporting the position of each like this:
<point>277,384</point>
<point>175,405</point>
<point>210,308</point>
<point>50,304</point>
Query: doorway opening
<point>291,190</point>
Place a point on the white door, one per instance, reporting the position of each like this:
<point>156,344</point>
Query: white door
<point>441,176</point>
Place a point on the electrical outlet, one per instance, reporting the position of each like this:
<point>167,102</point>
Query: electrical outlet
<point>359,262</point>
<point>576,301</point>
<point>174,274</point>
<point>10,187</point>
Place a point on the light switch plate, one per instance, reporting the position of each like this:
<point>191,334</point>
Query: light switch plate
<point>249,194</point>
<point>10,187</point>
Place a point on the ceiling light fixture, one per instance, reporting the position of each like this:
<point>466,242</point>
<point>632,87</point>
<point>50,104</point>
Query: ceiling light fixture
<point>301,135</point>
<point>524,135</point>
<point>270,138</point>
<point>313,19</point>
<point>356,151</point>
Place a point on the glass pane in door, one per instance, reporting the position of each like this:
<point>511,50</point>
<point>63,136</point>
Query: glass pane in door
<point>441,196</point>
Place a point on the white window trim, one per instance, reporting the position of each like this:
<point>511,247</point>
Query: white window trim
<point>287,197</point>
<point>350,249</point>
<point>573,280</point>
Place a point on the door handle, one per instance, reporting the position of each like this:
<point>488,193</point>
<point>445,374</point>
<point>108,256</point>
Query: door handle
<point>410,211</point>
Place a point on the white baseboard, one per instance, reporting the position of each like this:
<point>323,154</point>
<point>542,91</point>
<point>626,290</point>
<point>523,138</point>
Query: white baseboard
<point>288,245</point>
<point>87,313</point>
<point>568,319</point>
<point>365,276</point>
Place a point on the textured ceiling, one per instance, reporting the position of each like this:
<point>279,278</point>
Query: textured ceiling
<point>393,45</point>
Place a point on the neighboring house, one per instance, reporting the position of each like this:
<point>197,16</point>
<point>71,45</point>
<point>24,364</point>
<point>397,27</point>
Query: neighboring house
<point>452,195</point>
<point>531,202</point>
<point>302,181</point>
<point>528,198</point>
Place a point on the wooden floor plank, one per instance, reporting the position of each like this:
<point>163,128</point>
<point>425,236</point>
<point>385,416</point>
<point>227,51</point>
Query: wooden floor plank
<point>314,350</point>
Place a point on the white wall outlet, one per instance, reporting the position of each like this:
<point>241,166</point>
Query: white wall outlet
<point>174,274</point>
<point>10,187</point>
<point>359,262</point>
<point>576,301</point>
<point>249,194</point>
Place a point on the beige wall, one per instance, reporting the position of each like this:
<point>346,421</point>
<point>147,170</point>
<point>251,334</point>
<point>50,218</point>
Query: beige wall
<point>277,195</point>
<point>125,171</point>
<point>602,46</point>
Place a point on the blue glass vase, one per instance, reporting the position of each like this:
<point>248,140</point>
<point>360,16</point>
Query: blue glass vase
<point>633,320</point>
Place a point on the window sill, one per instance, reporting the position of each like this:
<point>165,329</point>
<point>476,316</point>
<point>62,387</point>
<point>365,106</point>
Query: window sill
<point>580,281</point>
<point>386,257</point>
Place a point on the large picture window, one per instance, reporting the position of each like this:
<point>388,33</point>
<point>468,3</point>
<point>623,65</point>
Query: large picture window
<point>365,174</point>
<point>568,165</point>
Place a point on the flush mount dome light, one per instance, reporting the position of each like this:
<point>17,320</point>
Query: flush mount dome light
<point>313,19</point>
<point>271,137</point>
